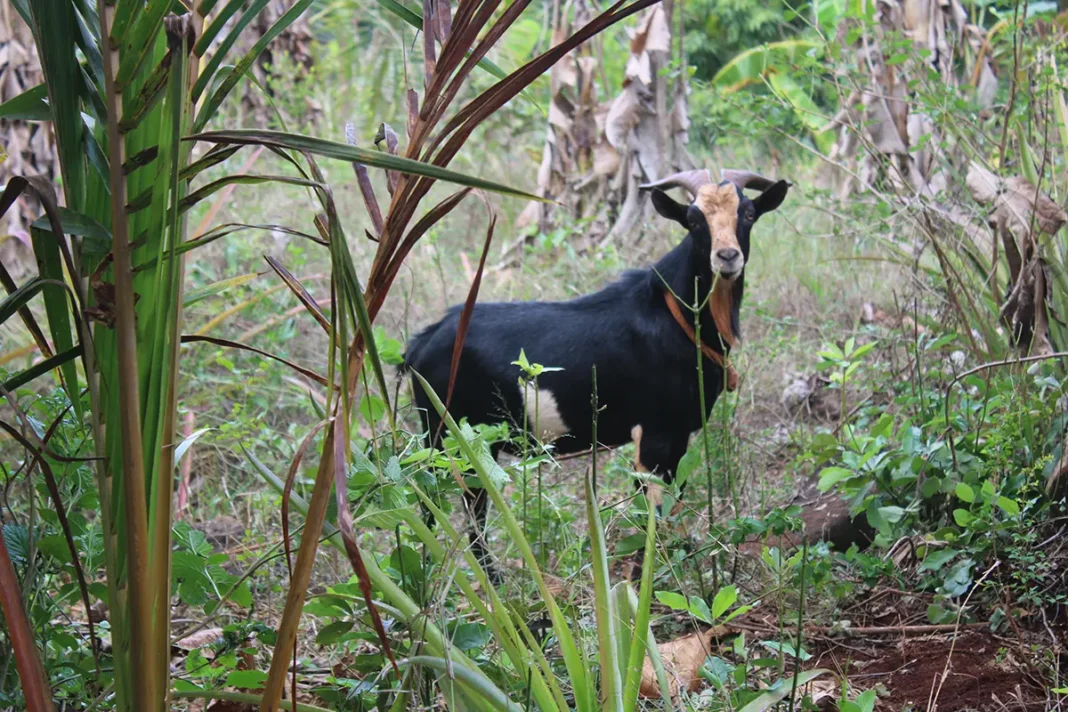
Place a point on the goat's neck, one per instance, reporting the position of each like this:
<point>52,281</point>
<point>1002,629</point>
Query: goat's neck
<point>688,275</point>
<point>721,307</point>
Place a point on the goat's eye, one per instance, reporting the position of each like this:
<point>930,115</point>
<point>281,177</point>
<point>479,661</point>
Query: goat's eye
<point>750,216</point>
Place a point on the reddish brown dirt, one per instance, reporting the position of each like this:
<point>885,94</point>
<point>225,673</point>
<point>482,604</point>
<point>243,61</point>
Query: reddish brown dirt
<point>982,674</point>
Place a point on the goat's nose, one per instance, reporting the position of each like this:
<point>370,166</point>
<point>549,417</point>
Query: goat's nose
<point>728,254</point>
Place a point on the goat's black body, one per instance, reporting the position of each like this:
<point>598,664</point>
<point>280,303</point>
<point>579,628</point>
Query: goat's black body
<point>646,365</point>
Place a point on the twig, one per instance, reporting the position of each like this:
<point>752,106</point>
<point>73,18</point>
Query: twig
<point>891,629</point>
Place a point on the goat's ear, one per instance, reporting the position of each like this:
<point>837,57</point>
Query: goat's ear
<point>669,208</point>
<point>771,198</point>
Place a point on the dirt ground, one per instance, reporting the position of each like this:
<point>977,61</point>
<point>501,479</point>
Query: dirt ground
<point>972,670</point>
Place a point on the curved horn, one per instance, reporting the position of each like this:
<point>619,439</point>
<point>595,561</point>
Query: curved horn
<point>690,180</point>
<point>745,179</point>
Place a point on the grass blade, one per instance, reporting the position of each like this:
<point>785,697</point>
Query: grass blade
<point>354,154</point>
<point>640,635</point>
<point>546,691</point>
<point>348,536</point>
<point>472,679</point>
<point>211,106</point>
<point>465,314</point>
<point>210,290</point>
<point>611,687</point>
<point>306,372</point>
<point>21,378</point>
<point>300,292</point>
<point>25,314</point>
<point>57,307</point>
<point>573,657</point>
<point>208,73</point>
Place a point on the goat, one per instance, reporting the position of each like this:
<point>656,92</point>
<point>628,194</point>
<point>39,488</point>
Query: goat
<point>633,331</point>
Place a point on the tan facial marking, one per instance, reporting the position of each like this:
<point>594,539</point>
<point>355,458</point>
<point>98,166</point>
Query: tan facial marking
<point>719,204</point>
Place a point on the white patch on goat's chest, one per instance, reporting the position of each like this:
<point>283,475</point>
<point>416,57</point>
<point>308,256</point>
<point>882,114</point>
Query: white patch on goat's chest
<point>543,413</point>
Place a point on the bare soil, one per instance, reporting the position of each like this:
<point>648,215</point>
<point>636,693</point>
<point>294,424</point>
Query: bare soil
<point>973,670</point>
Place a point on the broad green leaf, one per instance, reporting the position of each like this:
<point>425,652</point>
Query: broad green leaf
<point>781,689</point>
<point>247,679</point>
<point>862,350</point>
<point>830,476</point>
<point>75,223</point>
<point>865,702</point>
<point>725,598</point>
<point>965,492</point>
<point>55,29</point>
<point>329,634</point>
<point>787,648</point>
<point>1009,506</point>
<point>807,111</point>
<point>30,105</point>
<point>673,600</point>
<point>892,514</point>
<point>937,559</point>
<point>962,517</point>
<point>749,66</point>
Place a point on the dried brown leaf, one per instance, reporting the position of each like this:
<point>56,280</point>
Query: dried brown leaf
<point>682,660</point>
<point>200,639</point>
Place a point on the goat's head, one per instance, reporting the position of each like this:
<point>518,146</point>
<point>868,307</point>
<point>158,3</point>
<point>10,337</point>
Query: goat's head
<point>720,216</point>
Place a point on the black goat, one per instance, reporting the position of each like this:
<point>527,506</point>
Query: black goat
<point>633,331</point>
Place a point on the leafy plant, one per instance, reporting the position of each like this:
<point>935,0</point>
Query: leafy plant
<point>125,90</point>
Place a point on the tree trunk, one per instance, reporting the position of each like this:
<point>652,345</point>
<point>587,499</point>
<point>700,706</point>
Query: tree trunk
<point>29,146</point>
<point>596,152</point>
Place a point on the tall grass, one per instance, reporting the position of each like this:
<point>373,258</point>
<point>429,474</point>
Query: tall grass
<point>127,94</point>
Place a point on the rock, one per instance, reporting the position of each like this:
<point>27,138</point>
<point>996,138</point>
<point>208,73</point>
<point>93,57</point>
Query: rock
<point>808,394</point>
<point>222,532</point>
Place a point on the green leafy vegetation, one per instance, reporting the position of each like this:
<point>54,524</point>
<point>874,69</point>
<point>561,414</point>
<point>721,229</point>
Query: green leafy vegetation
<point>214,488</point>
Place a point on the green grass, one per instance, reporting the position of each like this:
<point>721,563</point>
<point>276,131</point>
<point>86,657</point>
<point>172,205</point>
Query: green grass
<point>814,264</point>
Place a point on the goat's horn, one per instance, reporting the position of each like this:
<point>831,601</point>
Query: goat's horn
<point>746,179</point>
<point>690,180</point>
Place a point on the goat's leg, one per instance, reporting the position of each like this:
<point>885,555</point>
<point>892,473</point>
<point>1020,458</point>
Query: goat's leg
<point>476,501</point>
<point>657,454</point>
<point>432,427</point>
